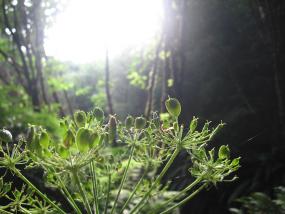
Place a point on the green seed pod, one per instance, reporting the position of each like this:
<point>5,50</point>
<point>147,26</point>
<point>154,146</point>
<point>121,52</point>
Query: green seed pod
<point>94,140</point>
<point>83,139</point>
<point>224,152</point>
<point>112,128</point>
<point>5,136</point>
<point>193,125</point>
<point>44,139</point>
<point>69,139</point>
<point>63,152</point>
<point>235,162</point>
<point>217,129</point>
<point>98,114</point>
<point>129,122</point>
<point>173,107</point>
<point>80,118</point>
<point>140,123</point>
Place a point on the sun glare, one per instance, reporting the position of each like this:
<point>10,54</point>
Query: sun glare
<point>84,30</point>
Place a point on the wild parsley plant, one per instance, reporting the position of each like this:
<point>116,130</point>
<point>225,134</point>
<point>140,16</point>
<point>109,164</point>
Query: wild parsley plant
<point>112,167</point>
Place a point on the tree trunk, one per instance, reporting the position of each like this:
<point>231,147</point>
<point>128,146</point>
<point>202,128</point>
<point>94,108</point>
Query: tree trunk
<point>107,84</point>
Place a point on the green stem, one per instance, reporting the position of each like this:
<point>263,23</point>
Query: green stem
<point>95,190</point>
<point>20,175</point>
<point>68,196</point>
<point>189,187</point>
<point>184,200</point>
<point>5,212</point>
<point>134,191</point>
<point>124,178</point>
<point>108,194</point>
<point>158,179</point>
<point>82,192</point>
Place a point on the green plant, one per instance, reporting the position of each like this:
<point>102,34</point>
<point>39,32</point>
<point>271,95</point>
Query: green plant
<point>88,170</point>
<point>260,203</point>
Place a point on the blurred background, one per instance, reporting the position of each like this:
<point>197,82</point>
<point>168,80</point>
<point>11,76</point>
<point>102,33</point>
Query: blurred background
<point>223,59</point>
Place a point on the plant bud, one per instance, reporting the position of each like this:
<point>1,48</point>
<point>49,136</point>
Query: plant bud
<point>112,128</point>
<point>31,134</point>
<point>98,114</point>
<point>140,123</point>
<point>44,139</point>
<point>224,152</point>
<point>5,136</point>
<point>173,107</point>
<point>129,122</point>
<point>80,118</point>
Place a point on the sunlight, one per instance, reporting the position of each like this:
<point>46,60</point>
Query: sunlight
<point>87,27</point>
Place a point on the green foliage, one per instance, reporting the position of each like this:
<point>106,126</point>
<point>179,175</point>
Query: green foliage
<point>83,164</point>
<point>259,202</point>
<point>137,80</point>
<point>16,111</point>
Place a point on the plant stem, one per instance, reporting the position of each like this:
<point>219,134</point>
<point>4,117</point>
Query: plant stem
<point>184,200</point>
<point>68,196</point>
<point>20,175</point>
<point>164,170</point>
<point>95,190</point>
<point>134,191</point>
<point>5,212</point>
<point>82,192</point>
<point>124,178</point>
<point>189,187</point>
<point>108,193</point>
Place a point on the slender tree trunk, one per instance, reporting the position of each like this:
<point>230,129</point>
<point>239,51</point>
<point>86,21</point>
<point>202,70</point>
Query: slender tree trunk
<point>107,84</point>
<point>151,82</point>
<point>56,99</point>
<point>70,109</point>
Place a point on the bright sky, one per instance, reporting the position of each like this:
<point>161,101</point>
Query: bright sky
<point>86,27</point>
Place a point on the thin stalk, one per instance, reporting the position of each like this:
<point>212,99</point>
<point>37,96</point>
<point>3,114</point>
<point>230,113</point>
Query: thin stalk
<point>68,196</point>
<point>124,178</point>
<point>158,179</point>
<point>20,175</point>
<point>189,187</point>
<point>95,188</point>
<point>134,191</point>
<point>82,192</point>
<point>184,200</point>
<point>108,194</point>
<point>5,212</point>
